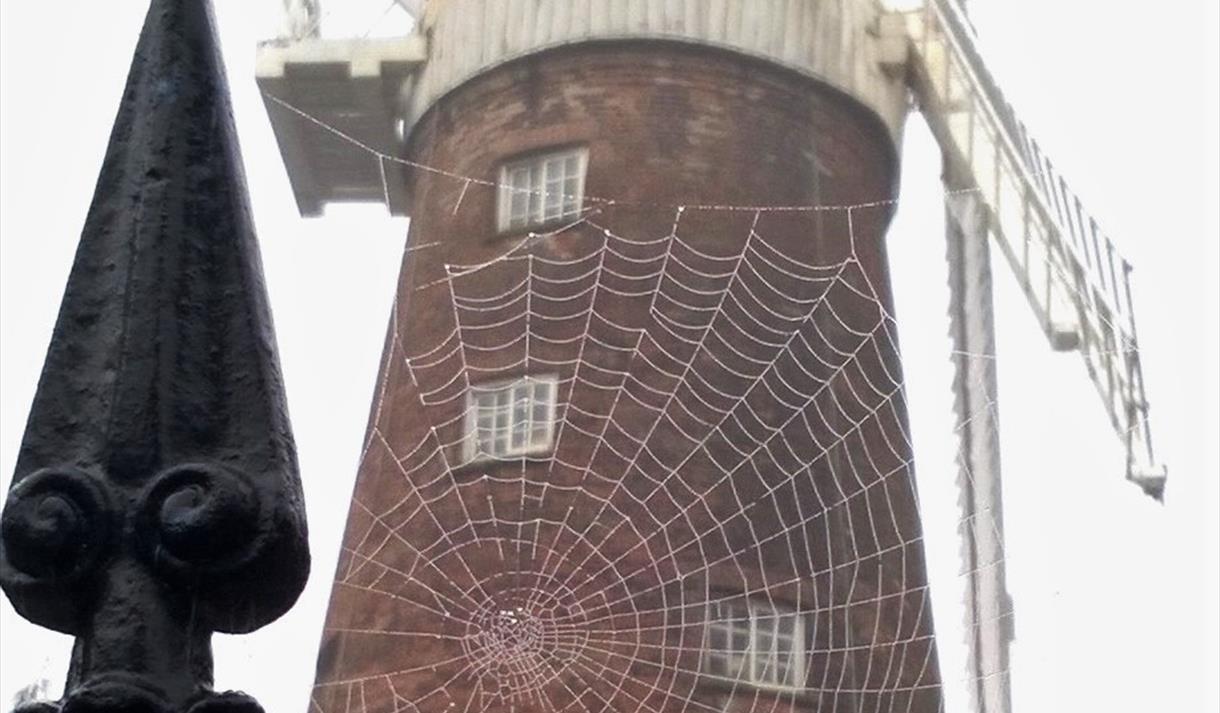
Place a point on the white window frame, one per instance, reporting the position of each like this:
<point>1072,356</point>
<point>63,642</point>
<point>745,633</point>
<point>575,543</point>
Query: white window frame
<point>543,188</point>
<point>495,429</point>
<point>742,643</point>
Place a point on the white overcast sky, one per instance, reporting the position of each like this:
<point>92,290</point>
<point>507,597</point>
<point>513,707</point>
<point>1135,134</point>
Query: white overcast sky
<point>1116,597</point>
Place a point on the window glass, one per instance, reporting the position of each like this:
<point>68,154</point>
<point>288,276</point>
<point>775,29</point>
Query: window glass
<point>509,419</point>
<point>755,643</point>
<point>542,189</point>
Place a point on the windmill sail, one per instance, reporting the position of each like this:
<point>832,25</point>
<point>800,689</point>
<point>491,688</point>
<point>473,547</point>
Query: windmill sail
<point>1073,276</point>
<point>989,624</point>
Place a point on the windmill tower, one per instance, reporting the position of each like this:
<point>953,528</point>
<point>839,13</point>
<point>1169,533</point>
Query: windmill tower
<point>639,442</point>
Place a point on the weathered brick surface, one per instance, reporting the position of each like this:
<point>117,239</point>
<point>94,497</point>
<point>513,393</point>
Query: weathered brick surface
<point>611,549</point>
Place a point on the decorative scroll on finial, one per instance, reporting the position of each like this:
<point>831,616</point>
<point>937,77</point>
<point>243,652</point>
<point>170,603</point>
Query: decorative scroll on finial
<point>157,497</point>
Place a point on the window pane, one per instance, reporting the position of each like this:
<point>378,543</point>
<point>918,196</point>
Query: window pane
<point>540,433</point>
<point>740,642</point>
<point>541,416</point>
<point>543,413</point>
<point>783,667</point>
<point>519,211</point>
<point>542,188</point>
<point>764,652</point>
<point>543,400</point>
<point>517,181</point>
<point>502,423</point>
<point>571,201</point>
<point>554,199</point>
<point>483,427</point>
<point>536,190</point>
<point>755,644</point>
<point>717,648</point>
<point>737,669</point>
<point>512,419</point>
<point>520,420</point>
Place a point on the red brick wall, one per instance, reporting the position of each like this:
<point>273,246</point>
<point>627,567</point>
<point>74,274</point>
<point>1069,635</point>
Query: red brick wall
<point>610,548</point>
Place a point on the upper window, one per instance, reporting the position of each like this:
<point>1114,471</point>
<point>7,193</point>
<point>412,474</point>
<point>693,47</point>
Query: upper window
<point>755,643</point>
<point>542,189</point>
<point>513,418</point>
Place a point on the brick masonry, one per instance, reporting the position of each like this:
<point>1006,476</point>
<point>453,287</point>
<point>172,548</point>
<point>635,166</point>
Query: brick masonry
<point>608,550</point>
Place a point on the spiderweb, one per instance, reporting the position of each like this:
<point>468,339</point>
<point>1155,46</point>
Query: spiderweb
<point>729,428</point>
<point>729,449</point>
<point>722,514</point>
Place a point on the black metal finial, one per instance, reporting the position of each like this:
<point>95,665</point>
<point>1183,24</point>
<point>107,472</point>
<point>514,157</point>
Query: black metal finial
<point>156,497</point>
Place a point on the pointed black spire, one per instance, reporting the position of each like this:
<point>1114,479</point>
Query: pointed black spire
<point>157,481</point>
